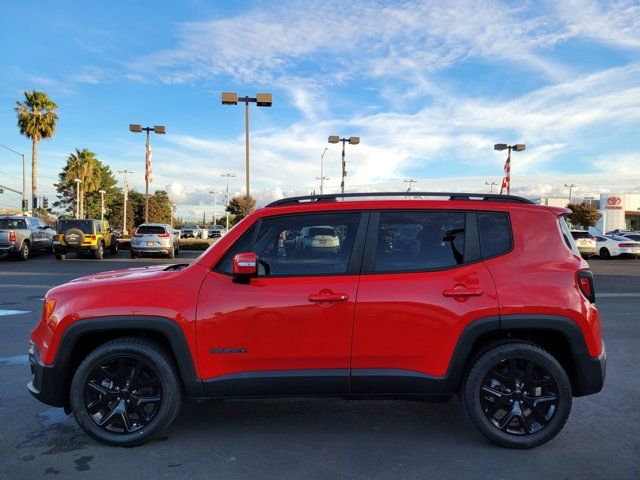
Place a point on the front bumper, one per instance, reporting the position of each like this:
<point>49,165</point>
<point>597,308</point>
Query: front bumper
<point>47,381</point>
<point>591,373</point>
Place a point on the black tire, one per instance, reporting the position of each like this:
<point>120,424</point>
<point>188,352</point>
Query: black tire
<point>605,254</point>
<point>50,249</point>
<point>134,254</point>
<point>177,250</point>
<point>24,252</point>
<point>485,401</point>
<point>59,256</point>
<point>172,253</point>
<point>127,354</point>
<point>98,253</point>
<point>114,247</point>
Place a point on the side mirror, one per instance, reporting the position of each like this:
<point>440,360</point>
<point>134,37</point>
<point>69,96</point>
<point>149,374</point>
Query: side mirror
<point>244,266</point>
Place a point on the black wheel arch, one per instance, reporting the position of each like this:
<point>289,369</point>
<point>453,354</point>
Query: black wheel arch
<point>83,336</point>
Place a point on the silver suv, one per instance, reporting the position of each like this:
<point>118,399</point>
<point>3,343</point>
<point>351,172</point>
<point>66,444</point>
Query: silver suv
<point>20,235</point>
<point>155,238</point>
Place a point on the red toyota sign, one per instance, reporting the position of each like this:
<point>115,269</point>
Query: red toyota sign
<point>614,200</point>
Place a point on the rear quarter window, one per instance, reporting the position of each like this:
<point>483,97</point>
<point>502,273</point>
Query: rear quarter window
<point>566,235</point>
<point>495,233</point>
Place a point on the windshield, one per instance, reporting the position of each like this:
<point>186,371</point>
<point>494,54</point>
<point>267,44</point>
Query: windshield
<point>150,230</point>
<point>12,224</point>
<point>85,225</point>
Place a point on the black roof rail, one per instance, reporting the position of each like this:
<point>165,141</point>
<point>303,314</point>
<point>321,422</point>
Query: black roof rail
<point>334,197</point>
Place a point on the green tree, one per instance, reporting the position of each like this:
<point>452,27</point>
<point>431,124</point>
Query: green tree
<point>37,119</point>
<point>95,176</point>
<point>583,215</point>
<point>116,208</point>
<point>236,207</point>
<point>159,207</point>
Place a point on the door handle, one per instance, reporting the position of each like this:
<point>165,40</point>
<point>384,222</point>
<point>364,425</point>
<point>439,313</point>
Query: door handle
<point>462,292</point>
<point>328,297</point>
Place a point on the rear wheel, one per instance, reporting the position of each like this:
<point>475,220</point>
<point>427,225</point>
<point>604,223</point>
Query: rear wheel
<point>59,255</point>
<point>126,392</point>
<point>134,254</point>
<point>114,247</point>
<point>517,395</point>
<point>98,253</point>
<point>605,254</point>
<point>172,253</point>
<point>24,252</point>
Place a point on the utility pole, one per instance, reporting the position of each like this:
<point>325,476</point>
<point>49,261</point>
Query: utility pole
<point>126,195</point>
<point>322,178</point>
<point>352,141</point>
<point>101,192</point>
<point>491,184</point>
<point>227,176</point>
<point>25,202</point>
<point>570,187</point>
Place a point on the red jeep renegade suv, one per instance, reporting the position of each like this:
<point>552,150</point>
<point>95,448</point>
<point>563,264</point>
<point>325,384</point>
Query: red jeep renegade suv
<point>359,295</point>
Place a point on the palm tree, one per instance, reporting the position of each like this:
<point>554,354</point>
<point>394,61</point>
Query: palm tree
<point>84,165</point>
<point>36,120</point>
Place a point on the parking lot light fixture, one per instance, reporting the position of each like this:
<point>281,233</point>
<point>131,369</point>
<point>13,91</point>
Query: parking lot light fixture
<point>351,141</point>
<point>25,202</point>
<point>125,191</point>
<point>261,100</point>
<point>410,181</point>
<point>148,177</point>
<point>570,186</point>
<point>491,185</point>
<point>226,200</point>
<point>101,192</point>
<point>215,194</point>
<point>78,182</point>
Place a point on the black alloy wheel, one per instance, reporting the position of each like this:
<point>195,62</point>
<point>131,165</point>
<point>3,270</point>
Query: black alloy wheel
<point>519,396</point>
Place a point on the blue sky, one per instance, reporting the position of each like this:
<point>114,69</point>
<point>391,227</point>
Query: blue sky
<point>429,87</point>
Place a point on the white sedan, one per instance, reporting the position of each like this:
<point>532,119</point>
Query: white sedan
<point>613,246</point>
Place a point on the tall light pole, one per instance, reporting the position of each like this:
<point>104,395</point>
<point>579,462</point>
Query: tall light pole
<point>570,186</point>
<point>491,185</point>
<point>227,176</point>
<point>352,141</point>
<point>148,177</point>
<point>25,202</point>
<point>173,209</point>
<point>215,194</point>
<point>410,181</point>
<point>261,100</point>
<point>125,190</point>
<point>101,192</point>
<point>518,147</point>
<point>322,178</point>
<point>78,182</point>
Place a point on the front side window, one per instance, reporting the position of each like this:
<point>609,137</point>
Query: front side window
<point>419,240</point>
<point>300,245</point>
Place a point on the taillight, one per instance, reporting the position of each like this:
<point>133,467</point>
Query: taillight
<point>586,285</point>
<point>627,245</point>
<point>164,235</point>
<point>12,236</point>
<point>90,237</point>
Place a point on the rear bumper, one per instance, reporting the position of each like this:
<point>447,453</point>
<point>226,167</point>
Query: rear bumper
<point>591,372</point>
<point>67,248</point>
<point>47,382</point>
<point>13,247</point>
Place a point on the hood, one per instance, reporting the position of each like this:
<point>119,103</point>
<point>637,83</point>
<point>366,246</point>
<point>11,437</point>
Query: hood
<point>136,273</point>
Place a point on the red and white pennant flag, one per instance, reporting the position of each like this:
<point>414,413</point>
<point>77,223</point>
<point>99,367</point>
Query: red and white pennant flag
<point>506,181</point>
<point>148,174</point>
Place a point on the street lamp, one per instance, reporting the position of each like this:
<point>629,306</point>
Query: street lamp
<point>125,196</point>
<point>215,194</point>
<point>101,192</point>
<point>570,187</point>
<point>518,147</point>
<point>158,130</point>
<point>491,184</point>
<point>261,100</point>
<point>227,176</point>
<point>410,181</point>
<point>173,209</point>
<point>25,202</point>
<point>322,178</point>
<point>352,141</point>
<point>78,182</point>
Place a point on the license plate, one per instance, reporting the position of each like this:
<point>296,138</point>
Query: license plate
<point>150,244</point>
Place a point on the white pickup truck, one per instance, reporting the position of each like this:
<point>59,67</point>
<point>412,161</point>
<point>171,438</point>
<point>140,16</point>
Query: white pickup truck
<point>20,235</point>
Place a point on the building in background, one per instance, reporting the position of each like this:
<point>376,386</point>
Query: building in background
<point>621,211</point>
<point>553,201</point>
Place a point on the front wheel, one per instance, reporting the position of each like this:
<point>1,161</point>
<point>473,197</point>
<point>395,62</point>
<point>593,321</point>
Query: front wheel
<point>605,254</point>
<point>517,395</point>
<point>126,392</point>
<point>114,248</point>
<point>59,255</point>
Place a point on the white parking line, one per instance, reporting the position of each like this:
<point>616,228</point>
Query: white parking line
<point>614,295</point>
<point>13,312</point>
<point>31,285</point>
<point>15,360</point>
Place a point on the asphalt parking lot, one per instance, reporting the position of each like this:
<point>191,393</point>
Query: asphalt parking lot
<point>310,438</point>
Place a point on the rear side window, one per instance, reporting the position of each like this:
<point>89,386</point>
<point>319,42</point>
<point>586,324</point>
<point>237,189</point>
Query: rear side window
<point>566,235</point>
<point>150,230</point>
<point>12,223</point>
<point>495,233</point>
<point>85,225</point>
<point>419,240</point>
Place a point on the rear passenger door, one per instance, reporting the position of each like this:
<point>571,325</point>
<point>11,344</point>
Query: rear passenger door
<point>423,281</point>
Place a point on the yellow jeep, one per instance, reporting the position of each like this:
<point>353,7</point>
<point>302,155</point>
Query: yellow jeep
<point>84,236</point>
